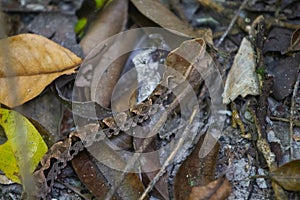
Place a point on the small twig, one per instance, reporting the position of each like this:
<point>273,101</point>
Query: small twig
<point>295,122</point>
<point>271,21</point>
<point>231,23</point>
<point>292,111</point>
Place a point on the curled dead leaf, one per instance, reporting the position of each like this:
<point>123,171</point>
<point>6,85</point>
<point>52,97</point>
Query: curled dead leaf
<point>30,63</point>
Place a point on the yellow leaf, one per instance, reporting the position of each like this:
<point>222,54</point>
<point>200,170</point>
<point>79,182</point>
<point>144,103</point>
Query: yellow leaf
<point>30,63</point>
<point>24,145</point>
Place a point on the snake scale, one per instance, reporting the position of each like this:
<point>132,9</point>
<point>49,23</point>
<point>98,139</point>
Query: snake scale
<point>61,152</point>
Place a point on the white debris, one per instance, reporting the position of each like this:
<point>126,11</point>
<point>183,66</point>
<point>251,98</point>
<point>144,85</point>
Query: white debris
<point>242,78</point>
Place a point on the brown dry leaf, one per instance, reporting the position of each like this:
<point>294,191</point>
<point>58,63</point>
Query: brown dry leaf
<point>288,176</point>
<point>110,20</point>
<point>217,190</point>
<point>159,14</point>
<point>195,171</point>
<point>181,61</point>
<point>31,64</point>
<point>90,175</point>
<point>109,164</point>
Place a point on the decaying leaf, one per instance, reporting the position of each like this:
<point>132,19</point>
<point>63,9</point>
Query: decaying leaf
<point>24,145</point>
<point>217,190</point>
<point>288,176</point>
<point>30,65</point>
<point>242,78</point>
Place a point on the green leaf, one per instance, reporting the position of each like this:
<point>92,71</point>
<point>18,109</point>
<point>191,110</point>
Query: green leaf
<point>80,25</point>
<point>24,145</point>
<point>100,3</point>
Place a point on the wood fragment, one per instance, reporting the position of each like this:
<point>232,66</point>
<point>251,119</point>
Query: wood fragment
<point>292,111</point>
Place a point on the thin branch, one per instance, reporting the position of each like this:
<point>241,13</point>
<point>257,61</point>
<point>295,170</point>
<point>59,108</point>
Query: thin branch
<point>231,23</point>
<point>281,119</point>
<point>292,111</point>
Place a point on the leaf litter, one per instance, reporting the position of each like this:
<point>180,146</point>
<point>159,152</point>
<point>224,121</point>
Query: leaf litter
<point>232,153</point>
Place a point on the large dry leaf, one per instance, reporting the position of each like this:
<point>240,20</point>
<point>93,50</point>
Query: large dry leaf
<point>31,64</point>
<point>110,163</point>
<point>57,26</point>
<point>90,175</point>
<point>288,176</point>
